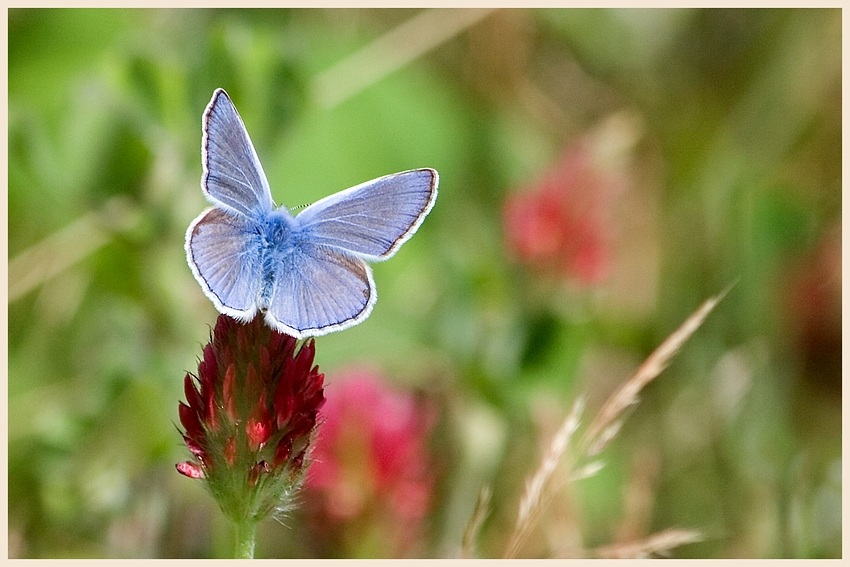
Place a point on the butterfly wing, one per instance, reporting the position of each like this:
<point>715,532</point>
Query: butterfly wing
<point>233,177</point>
<point>375,218</point>
<point>318,290</point>
<point>222,250</point>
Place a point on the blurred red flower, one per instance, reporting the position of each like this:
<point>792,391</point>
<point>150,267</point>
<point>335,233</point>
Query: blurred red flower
<point>562,224</point>
<point>811,297</point>
<point>370,484</point>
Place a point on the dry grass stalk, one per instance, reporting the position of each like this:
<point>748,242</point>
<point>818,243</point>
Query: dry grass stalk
<point>660,543</point>
<point>470,534</point>
<point>586,471</point>
<point>602,430</point>
<point>399,46</point>
<point>64,248</point>
<point>608,421</point>
<point>532,500</point>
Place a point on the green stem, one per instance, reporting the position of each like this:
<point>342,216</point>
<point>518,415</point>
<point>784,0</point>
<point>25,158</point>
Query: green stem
<point>245,536</point>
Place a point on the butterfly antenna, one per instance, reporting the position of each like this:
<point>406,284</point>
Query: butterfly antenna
<point>296,207</point>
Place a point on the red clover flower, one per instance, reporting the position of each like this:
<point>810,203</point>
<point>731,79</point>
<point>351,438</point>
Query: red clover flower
<point>250,417</point>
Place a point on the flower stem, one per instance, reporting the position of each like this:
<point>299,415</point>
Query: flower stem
<point>245,536</point>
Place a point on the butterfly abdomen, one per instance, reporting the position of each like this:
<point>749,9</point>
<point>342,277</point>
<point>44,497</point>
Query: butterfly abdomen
<point>277,245</point>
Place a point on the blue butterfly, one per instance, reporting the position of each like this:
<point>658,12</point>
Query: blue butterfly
<point>306,273</point>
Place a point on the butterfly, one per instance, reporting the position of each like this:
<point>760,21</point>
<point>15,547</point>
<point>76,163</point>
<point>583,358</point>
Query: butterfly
<point>307,273</point>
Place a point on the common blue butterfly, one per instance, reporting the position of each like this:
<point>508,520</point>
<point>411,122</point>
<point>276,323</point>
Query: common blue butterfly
<point>307,273</point>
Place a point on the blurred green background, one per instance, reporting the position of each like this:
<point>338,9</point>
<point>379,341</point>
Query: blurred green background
<point>722,128</point>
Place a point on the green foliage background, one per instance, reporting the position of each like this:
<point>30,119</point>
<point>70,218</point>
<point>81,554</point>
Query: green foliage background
<point>738,164</point>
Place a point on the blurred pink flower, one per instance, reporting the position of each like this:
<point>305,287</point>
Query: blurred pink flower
<point>370,483</point>
<point>562,225</point>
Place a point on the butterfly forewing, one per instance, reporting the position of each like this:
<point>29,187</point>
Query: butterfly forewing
<point>318,290</point>
<point>221,248</point>
<point>233,176</point>
<point>374,218</point>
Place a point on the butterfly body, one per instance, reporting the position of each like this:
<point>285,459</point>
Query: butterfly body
<point>278,232</point>
<point>306,273</point>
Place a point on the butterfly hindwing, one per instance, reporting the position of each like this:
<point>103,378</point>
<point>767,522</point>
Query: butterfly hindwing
<point>318,290</point>
<point>221,250</point>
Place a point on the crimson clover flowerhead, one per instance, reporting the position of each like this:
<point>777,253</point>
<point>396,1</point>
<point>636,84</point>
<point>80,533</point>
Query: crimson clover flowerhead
<point>250,417</point>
